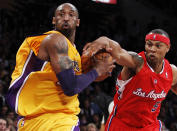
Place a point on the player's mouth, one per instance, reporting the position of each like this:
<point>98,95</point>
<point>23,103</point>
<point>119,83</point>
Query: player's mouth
<point>152,57</point>
<point>65,26</point>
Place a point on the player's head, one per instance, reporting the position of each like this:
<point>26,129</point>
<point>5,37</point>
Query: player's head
<point>66,19</point>
<point>157,45</point>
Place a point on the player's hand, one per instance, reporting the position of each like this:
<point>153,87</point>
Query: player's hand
<point>104,67</point>
<point>93,47</point>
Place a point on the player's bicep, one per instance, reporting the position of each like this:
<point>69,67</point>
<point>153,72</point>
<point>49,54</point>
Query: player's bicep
<point>137,59</point>
<point>57,49</point>
<point>129,59</point>
<point>136,63</point>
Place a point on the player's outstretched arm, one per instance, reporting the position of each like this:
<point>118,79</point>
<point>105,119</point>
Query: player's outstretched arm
<point>174,84</point>
<point>54,48</point>
<point>121,56</point>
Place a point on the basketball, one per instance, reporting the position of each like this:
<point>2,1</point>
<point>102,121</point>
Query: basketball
<point>88,62</point>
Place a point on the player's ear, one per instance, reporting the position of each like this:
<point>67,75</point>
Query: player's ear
<point>168,48</point>
<point>53,21</point>
<point>78,22</point>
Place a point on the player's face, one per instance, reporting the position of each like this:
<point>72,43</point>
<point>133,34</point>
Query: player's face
<point>155,51</point>
<point>66,18</point>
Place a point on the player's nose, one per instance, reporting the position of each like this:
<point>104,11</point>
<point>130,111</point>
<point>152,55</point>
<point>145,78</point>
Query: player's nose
<point>66,17</point>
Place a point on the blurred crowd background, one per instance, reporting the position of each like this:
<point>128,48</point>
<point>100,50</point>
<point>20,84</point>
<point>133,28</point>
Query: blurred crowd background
<point>127,22</point>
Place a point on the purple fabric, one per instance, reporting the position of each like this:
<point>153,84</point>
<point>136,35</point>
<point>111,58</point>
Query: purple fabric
<point>34,64</point>
<point>73,84</point>
<point>76,128</point>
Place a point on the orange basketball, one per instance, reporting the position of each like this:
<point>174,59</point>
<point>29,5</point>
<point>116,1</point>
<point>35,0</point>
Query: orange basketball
<point>88,62</point>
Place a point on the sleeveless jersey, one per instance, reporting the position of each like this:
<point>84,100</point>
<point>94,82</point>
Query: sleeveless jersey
<point>34,89</point>
<point>137,100</point>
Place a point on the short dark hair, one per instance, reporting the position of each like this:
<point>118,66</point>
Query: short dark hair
<point>70,5</point>
<point>159,31</point>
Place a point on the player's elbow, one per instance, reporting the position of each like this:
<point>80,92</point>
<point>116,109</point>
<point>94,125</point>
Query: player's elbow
<point>104,38</point>
<point>71,91</point>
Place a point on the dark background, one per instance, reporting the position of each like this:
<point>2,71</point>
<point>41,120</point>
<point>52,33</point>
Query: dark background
<point>126,22</point>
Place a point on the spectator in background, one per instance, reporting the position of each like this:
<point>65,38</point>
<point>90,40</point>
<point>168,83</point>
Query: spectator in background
<point>3,125</point>
<point>91,127</point>
<point>4,111</point>
<point>2,98</point>
<point>11,126</point>
<point>97,120</point>
<point>87,110</point>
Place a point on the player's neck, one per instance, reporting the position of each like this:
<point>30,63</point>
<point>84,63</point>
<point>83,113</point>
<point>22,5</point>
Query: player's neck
<point>71,37</point>
<point>157,67</point>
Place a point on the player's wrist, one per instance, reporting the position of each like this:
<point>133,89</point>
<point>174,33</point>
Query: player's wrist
<point>97,70</point>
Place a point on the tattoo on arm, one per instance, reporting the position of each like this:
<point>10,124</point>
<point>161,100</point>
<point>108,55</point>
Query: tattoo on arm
<point>138,59</point>
<point>65,63</point>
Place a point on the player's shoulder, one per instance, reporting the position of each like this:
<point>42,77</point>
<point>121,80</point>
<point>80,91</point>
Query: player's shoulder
<point>174,68</point>
<point>54,39</point>
<point>54,36</point>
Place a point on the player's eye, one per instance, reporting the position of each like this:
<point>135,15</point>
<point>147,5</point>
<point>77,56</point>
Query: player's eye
<point>158,45</point>
<point>71,14</point>
<point>149,44</point>
<point>61,14</point>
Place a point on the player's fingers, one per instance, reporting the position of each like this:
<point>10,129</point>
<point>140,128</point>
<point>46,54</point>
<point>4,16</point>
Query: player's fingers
<point>110,70</point>
<point>108,49</point>
<point>98,48</point>
<point>86,46</point>
<point>94,51</point>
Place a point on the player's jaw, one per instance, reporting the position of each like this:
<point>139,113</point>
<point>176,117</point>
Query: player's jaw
<point>151,58</point>
<point>65,25</point>
<point>154,57</point>
<point>65,28</point>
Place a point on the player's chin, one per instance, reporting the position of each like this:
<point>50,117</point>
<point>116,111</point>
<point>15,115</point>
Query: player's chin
<point>152,59</point>
<point>66,27</point>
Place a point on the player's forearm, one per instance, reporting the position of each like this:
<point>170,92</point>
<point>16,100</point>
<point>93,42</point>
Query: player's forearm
<point>121,56</point>
<point>73,84</point>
